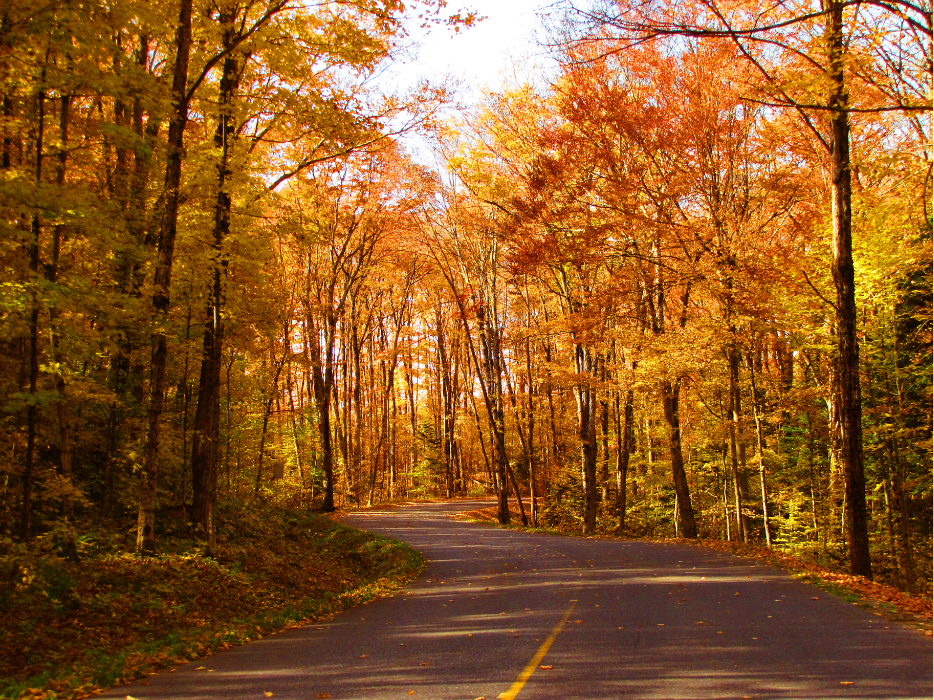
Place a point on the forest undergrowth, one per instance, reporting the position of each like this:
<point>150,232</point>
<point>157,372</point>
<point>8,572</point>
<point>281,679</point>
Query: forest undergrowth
<point>827,573</point>
<point>81,614</point>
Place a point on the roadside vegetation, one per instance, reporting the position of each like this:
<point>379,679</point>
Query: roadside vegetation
<point>80,613</point>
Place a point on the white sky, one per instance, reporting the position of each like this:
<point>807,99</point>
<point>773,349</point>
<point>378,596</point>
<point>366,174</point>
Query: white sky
<point>483,56</point>
<point>498,51</point>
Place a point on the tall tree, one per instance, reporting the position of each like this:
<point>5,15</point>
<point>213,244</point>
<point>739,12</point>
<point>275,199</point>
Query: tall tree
<point>824,39</point>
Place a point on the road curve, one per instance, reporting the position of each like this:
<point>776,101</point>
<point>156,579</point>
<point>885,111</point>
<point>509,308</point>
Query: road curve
<point>518,616</point>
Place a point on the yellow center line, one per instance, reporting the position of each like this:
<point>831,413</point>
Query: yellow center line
<point>527,672</point>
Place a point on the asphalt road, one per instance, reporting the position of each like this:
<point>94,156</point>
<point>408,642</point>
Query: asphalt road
<point>503,614</point>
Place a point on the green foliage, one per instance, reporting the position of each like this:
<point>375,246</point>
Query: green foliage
<point>564,501</point>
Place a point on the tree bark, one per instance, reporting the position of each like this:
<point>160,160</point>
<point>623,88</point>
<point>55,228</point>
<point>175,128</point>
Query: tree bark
<point>741,524</point>
<point>145,536</point>
<point>32,411</point>
<point>52,270</point>
<point>622,457</point>
<point>670,398</point>
<point>205,441</point>
<point>757,415</point>
<point>587,433</point>
<point>847,360</point>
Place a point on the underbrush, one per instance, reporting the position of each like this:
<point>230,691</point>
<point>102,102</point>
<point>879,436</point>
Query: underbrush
<point>85,615</point>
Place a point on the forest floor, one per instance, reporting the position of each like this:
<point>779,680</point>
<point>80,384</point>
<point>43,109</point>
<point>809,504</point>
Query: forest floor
<point>885,601</point>
<point>78,619</point>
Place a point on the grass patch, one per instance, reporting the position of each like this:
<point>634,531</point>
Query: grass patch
<point>75,625</point>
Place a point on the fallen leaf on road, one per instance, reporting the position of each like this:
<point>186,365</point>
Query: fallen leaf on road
<point>546,668</point>
<point>425,663</point>
<point>362,656</point>
<point>737,593</point>
<point>411,692</point>
<point>202,668</point>
<point>578,622</point>
<point>699,623</point>
<point>815,598</point>
<point>267,693</point>
<point>846,682</point>
<point>323,695</point>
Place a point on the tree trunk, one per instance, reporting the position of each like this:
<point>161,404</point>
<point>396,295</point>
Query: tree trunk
<point>145,536</point>
<point>52,275</point>
<point>847,360</point>
<point>622,457</point>
<point>741,524</point>
<point>905,555</point>
<point>587,433</point>
<point>670,397</point>
<point>267,411</point>
<point>32,413</point>
<point>533,490</point>
<point>604,478</point>
<point>205,442</point>
<point>757,415</point>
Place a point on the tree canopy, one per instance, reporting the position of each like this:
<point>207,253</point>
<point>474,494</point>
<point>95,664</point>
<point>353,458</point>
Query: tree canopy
<point>680,288</point>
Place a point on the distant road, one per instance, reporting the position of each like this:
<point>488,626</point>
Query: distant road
<point>503,614</point>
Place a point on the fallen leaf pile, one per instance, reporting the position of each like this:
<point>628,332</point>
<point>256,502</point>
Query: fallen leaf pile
<point>915,605</point>
<point>72,627</point>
